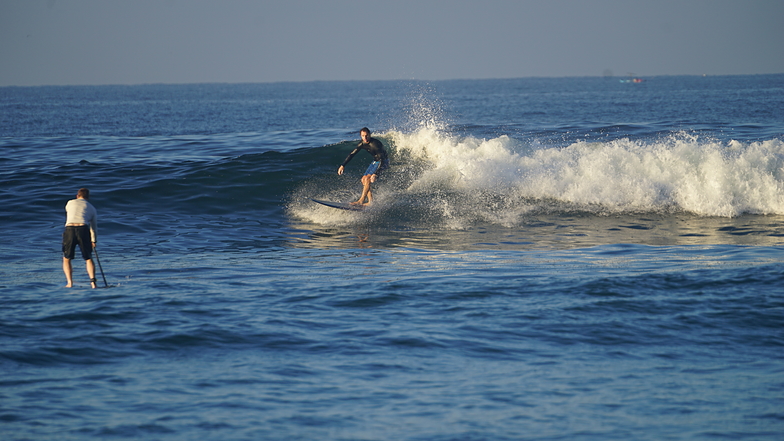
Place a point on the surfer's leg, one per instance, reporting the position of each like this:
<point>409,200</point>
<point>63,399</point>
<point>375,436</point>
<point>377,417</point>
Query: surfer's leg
<point>365,190</point>
<point>371,179</point>
<point>68,270</point>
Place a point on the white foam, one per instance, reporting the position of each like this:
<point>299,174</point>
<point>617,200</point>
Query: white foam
<point>506,178</point>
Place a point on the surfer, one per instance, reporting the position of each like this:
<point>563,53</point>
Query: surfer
<point>81,226</point>
<point>373,172</point>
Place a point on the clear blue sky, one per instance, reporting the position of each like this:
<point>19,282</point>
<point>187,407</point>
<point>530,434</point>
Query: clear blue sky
<point>59,42</point>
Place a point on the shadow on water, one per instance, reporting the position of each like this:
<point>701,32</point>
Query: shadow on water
<point>544,232</point>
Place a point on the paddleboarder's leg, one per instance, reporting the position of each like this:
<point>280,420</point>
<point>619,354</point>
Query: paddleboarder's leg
<point>91,272</point>
<point>68,270</point>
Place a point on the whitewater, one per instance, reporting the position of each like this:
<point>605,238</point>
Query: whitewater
<point>501,180</point>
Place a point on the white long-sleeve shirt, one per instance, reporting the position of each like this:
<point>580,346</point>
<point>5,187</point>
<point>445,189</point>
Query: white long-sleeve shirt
<point>79,211</point>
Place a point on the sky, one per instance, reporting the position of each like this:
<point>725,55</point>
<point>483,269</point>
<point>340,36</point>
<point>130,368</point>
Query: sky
<point>96,42</point>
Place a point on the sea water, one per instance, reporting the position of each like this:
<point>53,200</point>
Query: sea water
<point>571,258</point>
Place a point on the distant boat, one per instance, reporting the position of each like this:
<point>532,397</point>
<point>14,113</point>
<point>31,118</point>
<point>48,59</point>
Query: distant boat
<point>633,79</point>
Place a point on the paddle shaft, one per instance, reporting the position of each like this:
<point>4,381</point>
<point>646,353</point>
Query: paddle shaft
<point>100,267</point>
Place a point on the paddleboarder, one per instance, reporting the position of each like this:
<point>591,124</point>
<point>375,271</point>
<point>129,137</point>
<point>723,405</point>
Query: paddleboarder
<point>81,227</point>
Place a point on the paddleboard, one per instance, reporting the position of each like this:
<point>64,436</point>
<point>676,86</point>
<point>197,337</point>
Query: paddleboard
<point>340,205</point>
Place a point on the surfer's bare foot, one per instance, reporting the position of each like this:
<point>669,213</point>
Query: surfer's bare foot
<point>69,285</point>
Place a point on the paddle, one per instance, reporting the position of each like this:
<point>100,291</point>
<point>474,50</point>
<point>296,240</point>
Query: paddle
<point>95,250</point>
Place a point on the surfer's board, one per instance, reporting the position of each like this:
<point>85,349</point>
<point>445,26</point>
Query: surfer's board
<point>340,205</point>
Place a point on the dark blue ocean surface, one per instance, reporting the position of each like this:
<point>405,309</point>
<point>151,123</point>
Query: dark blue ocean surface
<point>573,258</point>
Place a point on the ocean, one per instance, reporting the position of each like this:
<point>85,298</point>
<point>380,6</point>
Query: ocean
<point>546,259</point>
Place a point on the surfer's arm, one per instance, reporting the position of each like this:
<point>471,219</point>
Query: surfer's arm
<point>350,156</point>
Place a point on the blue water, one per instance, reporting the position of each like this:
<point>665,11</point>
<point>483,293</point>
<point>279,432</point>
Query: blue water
<point>547,259</point>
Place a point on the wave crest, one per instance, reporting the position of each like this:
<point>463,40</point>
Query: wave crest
<point>679,173</point>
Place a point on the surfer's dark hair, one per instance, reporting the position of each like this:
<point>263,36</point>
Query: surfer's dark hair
<point>83,192</point>
<point>365,129</point>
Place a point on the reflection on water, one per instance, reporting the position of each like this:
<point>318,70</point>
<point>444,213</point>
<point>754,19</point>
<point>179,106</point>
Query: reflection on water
<point>549,232</point>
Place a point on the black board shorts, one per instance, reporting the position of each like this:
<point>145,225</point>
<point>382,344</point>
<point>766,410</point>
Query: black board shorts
<point>73,236</point>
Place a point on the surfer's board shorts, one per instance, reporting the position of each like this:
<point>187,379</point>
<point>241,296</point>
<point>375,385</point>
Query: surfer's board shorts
<point>376,167</point>
<point>73,236</point>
